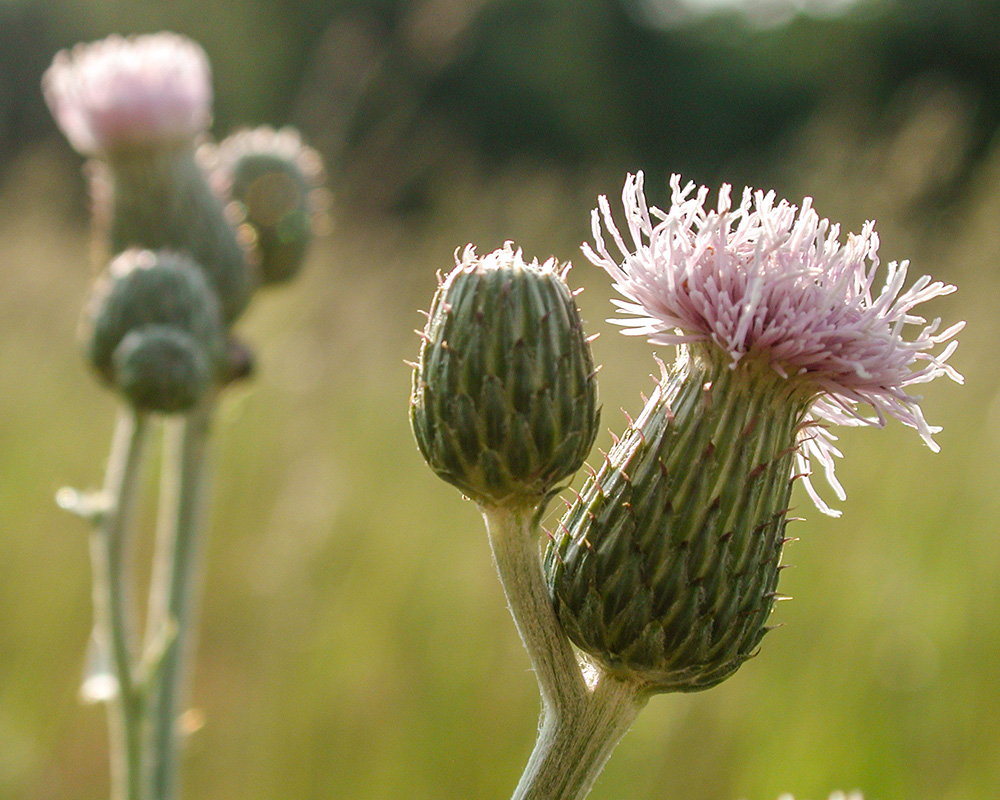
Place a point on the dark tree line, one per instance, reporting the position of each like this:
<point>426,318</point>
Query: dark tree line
<point>389,86</point>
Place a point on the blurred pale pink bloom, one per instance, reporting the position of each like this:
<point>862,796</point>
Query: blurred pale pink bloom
<point>771,282</point>
<point>116,93</point>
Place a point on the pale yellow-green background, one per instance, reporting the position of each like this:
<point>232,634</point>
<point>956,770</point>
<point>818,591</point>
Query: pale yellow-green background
<point>354,639</point>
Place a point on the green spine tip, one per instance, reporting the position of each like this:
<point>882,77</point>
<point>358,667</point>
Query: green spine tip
<point>504,396</point>
<point>275,179</point>
<point>664,569</point>
<point>143,291</point>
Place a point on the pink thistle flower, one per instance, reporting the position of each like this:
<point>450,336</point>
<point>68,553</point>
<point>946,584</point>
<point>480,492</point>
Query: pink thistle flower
<point>139,91</point>
<point>770,282</point>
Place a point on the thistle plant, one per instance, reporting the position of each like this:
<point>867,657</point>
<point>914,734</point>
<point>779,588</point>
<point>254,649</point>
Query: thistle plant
<point>662,573</point>
<point>187,238</point>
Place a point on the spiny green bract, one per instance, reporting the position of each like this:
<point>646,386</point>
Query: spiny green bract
<point>504,398</point>
<point>665,568</point>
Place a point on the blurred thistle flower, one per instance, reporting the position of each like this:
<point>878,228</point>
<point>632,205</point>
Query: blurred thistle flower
<point>762,283</point>
<point>665,568</point>
<point>504,398</point>
<point>139,106</point>
<point>120,93</point>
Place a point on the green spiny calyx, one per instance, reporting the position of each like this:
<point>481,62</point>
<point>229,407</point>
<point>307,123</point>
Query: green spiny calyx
<point>504,399</point>
<point>665,568</point>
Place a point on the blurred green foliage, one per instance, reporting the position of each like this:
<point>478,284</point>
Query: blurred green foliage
<point>355,643</point>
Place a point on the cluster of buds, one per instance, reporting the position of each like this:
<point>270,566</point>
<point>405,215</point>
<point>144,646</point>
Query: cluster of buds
<point>664,570</point>
<point>191,229</point>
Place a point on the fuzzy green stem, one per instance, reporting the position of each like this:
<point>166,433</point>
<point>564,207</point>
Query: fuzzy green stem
<point>513,533</point>
<point>579,727</point>
<point>113,628</point>
<point>573,748</point>
<point>174,590</point>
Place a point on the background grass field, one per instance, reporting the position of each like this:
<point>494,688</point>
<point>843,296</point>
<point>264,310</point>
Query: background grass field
<point>354,637</point>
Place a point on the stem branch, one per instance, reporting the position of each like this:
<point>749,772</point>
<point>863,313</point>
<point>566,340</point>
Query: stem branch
<point>572,749</point>
<point>580,726</point>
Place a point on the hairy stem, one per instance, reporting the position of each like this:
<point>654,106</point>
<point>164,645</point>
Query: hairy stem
<point>579,726</point>
<point>174,590</point>
<point>514,539</point>
<point>573,748</point>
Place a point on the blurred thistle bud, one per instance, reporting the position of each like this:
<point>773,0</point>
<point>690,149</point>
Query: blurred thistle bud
<point>276,181</point>
<point>153,330</point>
<point>504,400</point>
<point>139,106</point>
<point>665,568</point>
<point>161,368</point>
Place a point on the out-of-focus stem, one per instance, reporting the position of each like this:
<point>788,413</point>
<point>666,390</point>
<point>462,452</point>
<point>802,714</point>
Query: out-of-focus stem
<point>113,629</point>
<point>174,590</point>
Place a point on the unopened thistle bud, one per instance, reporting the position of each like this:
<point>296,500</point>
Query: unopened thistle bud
<point>665,569</point>
<point>161,368</point>
<point>140,107</point>
<point>275,179</point>
<point>153,330</point>
<point>504,400</point>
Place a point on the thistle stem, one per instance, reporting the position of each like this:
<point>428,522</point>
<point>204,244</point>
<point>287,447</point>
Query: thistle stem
<point>113,630</point>
<point>174,590</point>
<point>579,726</point>
<point>573,748</point>
<point>513,534</point>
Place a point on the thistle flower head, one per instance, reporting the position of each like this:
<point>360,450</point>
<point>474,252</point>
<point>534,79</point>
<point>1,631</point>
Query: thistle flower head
<point>504,400</point>
<point>119,93</point>
<point>770,282</point>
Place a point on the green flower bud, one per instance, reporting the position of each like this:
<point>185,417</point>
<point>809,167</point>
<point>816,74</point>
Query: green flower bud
<point>158,198</point>
<point>504,400</point>
<point>665,568</point>
<point>161,368</point>
<point>142,288</point>
<point>274,177</point>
